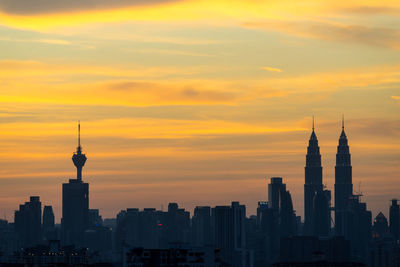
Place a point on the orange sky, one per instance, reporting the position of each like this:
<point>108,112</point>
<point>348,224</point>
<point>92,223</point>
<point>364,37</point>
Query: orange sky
<point>195,102</point>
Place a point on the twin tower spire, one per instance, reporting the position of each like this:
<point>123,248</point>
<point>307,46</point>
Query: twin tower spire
<point>317,208</point>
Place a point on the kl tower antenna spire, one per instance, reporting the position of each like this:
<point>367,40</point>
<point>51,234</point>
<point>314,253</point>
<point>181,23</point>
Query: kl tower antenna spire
<point>79,133</point>
<point>78,158</point>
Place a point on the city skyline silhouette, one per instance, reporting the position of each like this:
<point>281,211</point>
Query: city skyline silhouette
<point>224,133</point>
<point>220,234</point>
<point>263,179</point>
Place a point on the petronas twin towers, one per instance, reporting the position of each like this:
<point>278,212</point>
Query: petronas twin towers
<point>317,208</point>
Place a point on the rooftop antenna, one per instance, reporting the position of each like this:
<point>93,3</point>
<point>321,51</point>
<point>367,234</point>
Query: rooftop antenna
<point>79,133</point>
<point>313,119</point>
<point>342,121</point>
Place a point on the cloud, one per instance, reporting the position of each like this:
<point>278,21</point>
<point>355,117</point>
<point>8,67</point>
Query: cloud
<point>44,41</point>
<point>270,69</point>
<point>54,41</point>
<point>28,7</point>
<point>396,97</point>
<point>40,82</point>
<point>328,31</point>
<point>371,10</point>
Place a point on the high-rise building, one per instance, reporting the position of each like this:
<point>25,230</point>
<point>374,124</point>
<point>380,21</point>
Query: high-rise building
<point>322,214</point>
<point>177,224</point>
<point>275,190</point>
<point>287,216</point>
<point>49,231</point>
<point>394,219</point>
<point>201,227</point>
<point>230,232</point>
<point>313,183</point>
<point>357,227</point>
<point>48,217</point>
<point>28,223</point>
<point>380,227</point>
<point>280,200</point>
<point>75,201</point>
<point>343,182</point>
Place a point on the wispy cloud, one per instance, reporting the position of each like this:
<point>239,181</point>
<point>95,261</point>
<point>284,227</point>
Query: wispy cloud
<point>330,31</point>
<point>55,41</point>
<point>396,97</point>
<point>371,10</point>
<point>140,86</point>
<point>26,7</point>
<point>60,42</point>
<point>271,69</point>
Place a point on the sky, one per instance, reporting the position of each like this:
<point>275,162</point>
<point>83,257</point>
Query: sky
<point>195,102</point>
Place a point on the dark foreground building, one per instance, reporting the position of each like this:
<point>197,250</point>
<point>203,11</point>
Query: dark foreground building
<point>47,255</point>
<point>174,257</point>
<point>312,251</point>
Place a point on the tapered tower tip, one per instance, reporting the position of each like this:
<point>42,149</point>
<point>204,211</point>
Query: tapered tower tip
<point>313,123</point>
<point>342,121</point>
<point>79,133</point>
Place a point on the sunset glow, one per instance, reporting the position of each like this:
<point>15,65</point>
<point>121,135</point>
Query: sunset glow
<point>196,101</point>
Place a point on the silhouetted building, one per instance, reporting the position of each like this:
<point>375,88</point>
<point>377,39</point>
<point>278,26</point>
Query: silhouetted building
<point>380,227</point>
<point>188,257</point>
<point>48,217</point>
<point>177,225</point>
<point>138,229</point>
<point>49,230</point>
<point>287,216</point>
<point>265,242</point>
<point>343,182</point>
<point>357,228</point>
<point>312,186</point>
<point>394,219</point>
<point>384,252</point>
<point>8,239</point>
<point>230,234</point>
<point>280,200</point>
<point>275,189</point>
<point>322,214</point>
<point>202,234</point>
<point>48,255</point>
<point>274,221</point>
<point>98,239</point>
<point>75,201</point>
<point>28,223</point>
<point>95,218</point>
<point>300,249</point>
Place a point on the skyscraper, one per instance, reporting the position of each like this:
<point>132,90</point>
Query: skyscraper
<point>357,227</point>
<point>48,217</point>
<point>394,219</point>
<point>49,231</point>
<point>201,227</point>
<point>322,214</point>
<point>343,182</point>
<point>275,190</point>
<point>75,201</point>
<point>313,181</point>
<point>28,223</point>
<point>230,232</point>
